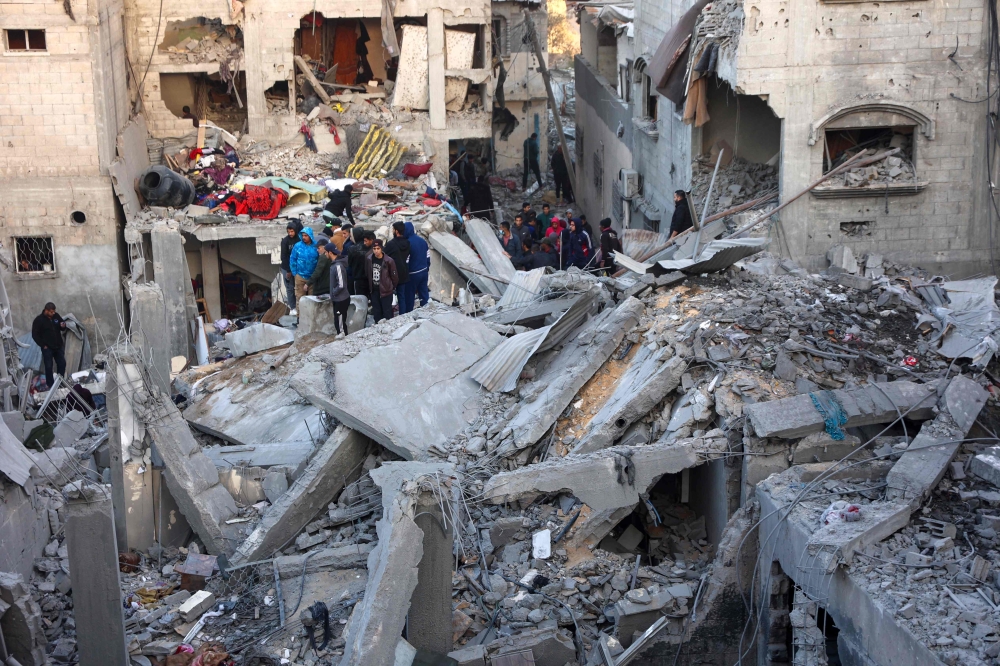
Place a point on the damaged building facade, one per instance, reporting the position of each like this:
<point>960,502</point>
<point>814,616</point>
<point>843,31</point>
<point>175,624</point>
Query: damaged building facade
<point>786,95</point>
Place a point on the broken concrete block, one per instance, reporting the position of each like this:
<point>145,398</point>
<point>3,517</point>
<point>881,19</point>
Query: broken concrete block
<point>649,379</point>
<point>842,259</point>
<point>820,447</point>
<point>258,337</point>
<point>549,647</point>
<point>315,316</point>
<point>199,602</point>
<point>797,416</point>
<point>328,472</point>
<point>854,282</point>
<point>433,398</point>
<point>275,484</point>
<point>56,465</point>
<point>470,655</point>
<point>485,240</point>
<point>339,557</point>
<point>580,358</point>
<point>22,621</point>
<point>15,422</point>
<point>986,466</point>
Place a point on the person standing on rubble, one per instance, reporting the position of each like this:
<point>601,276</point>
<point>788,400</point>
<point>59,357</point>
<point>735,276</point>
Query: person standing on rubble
<point>319,281</point>
<point>356,263</point>
<point>560,174</point>
<point>531,152</point>
<point>581,250</point>
<point>399,249</point>
<point>292,230</point>
<point>46,331</point>
<point>340,296</point>
<point>610,244</point>
<point>303,262</point>
<point>481,199</point>
<point>681,221</point>
<point>340,203</point>
<point>418,265</point>
<point>382,281</point>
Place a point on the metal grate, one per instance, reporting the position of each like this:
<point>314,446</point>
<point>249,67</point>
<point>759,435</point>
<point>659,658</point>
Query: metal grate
<point>34,254</point>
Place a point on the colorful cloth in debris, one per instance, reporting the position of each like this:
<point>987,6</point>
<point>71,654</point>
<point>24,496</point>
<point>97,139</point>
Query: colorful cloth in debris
<point>262,203</point>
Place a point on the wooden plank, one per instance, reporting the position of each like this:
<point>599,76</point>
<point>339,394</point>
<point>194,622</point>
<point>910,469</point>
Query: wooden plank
<point>313,81</point>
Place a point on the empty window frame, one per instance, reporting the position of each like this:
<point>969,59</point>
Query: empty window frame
<point>501,47</point>
<point>842,144</point>
<point>647,93</point>
<point>34,254</point>
<point>24,41</point>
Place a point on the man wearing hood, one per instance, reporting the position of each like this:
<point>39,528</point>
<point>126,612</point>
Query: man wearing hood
<point>287,243</point>
<point>356,262</point>
<point>419,268</point>
<point>319,281</point>
<point>382,281</point>
<point>303,261</point>
<point>399,249</point>
<point>340,203</point>
<point>340,296</point>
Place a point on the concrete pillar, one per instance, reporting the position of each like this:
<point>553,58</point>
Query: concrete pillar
<point>253,49</point>
<point>211,282</point>
<point>428,625</point>
<point>93,566</point>
<point>149,332</point>
<point>171,273</point>
<point>435,69</point>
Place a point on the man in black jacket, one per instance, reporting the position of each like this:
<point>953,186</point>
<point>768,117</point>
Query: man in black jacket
<point>340,203</point>
<point>46,331</point>
<point>356,263</point>
<point>540,258</point>
<point>292,230</point>
<point>399,250</point>
<point>610,244</point>
<point>681,221</point>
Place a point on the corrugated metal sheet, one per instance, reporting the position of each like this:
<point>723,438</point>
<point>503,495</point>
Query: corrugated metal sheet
<point>718,255</point>
<point>933,294</point>
<point>500,369</point>
<point>640,242</point>
<point>524,287</point>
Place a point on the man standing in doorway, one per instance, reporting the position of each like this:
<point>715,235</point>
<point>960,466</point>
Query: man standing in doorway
<point>382,281</point>
<point>531,152</point>
<point>46,331</point>
<point>681,221</point>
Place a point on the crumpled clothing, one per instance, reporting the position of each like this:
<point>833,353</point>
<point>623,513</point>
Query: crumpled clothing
<point>262,203</point>
<point>841,512</point>
<point>219,176</point>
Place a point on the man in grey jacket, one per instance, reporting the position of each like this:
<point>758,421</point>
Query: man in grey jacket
<point>340,295</point>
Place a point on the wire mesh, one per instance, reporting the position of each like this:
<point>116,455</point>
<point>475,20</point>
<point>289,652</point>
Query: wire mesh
<point>34,254</point>
<point>248,591</point>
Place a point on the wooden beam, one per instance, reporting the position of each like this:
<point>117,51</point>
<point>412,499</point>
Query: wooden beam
<point>311,78</point>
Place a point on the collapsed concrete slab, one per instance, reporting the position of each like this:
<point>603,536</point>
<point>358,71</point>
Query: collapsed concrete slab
<point>593,477</point>
<point>797,416</point>
<point>292,455</point>
<point>339,557</point>
<point>464,258</point>
<point>490,251</point>
<point>923,465</point>
<point>334,465</point>
<point>377,622</point>
<point>258,337</point>
<point>426,361</point>
<point>580,357</point>
<point>191,476</point>
<point>21,621</point>
<point>648,380</point>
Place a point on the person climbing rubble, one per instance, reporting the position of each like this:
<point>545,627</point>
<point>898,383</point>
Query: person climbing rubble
<point>418,266</point>
<point>46,331</point>
<point>399,250</point>
<point>292,230</point>
<point>610,244</point>
<point>681,221</point>
<point>340,296</point>
<point>303,262</point>
<point>340,203</point>
<point>382,281</point>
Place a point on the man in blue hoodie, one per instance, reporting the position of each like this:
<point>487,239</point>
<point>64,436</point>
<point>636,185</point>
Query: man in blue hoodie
<point>419,264</point>
<point>303,262</point>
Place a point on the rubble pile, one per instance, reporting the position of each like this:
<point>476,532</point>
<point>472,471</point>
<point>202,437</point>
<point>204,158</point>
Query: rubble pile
<point>892,169</point>
<point>212,43</point>
<point>737,182</point>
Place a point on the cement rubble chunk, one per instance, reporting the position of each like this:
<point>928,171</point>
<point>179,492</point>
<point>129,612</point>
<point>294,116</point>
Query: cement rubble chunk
<point>648,380</point>
<point>408,393</point>
<point>581,356</point>
<point>465,259</point>
<point>986,465</point>
<point>71,428</point>
<point>797,416</point>
<point>592,477</point>
<point>331,468</point>
<point>377,621</point>
<point>927,458</point>
<point>490,251</point>
<point>258,337</point>
<point>339,557</point>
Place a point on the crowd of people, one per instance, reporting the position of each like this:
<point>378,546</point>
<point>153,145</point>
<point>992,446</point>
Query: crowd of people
<point>537,240</point>
<point>344,260</point>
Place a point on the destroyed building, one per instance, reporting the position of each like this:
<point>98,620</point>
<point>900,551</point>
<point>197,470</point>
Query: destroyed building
<point>664,88</point>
